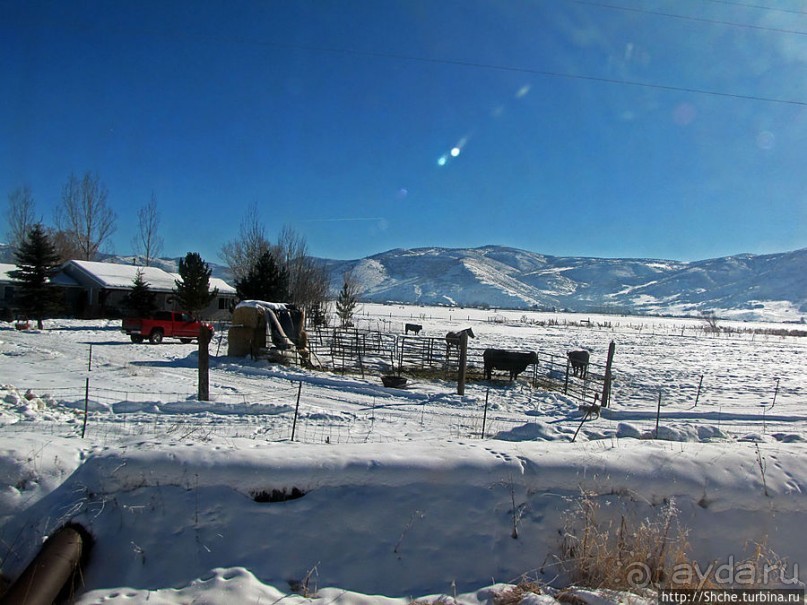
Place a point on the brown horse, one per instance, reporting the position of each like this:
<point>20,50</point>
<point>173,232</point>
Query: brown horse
<point>453,338</point>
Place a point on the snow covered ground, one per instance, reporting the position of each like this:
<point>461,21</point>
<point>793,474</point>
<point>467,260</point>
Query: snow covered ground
<point>400,493</point>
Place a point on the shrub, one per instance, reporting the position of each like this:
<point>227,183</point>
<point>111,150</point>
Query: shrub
<point>653,554</point>
<point>624,555</point>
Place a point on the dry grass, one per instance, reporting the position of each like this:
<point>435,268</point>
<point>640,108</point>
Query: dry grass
<point>515,594</point>
<point>627,555</point>
<point>623,555</point>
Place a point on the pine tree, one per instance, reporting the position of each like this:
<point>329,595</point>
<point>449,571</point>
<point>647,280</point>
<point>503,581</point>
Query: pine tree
<point>347,301</point>
<point>265,280</point>
<point>192,290</point>
<point>140,299</point>
<point>318,314</point>
<point>37,261</point>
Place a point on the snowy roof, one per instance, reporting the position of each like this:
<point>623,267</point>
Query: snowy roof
<point>4,270</point>
<point>112,275</point>
<point>215,282</point>
<point>60,279</point>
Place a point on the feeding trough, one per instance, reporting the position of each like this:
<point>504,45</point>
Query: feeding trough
<point>394,382</point>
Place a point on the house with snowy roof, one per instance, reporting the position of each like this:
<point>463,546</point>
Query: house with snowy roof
<point>100,288</point>
<point>9,287</point>
<point>95,289</point>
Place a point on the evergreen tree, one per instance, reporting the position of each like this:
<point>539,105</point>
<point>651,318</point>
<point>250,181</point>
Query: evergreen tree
<point>347,301</point>
<point>265,280</point>
<point>192,291</point>
<point>37,261</point>
<point>140,299</point>
<point>318,314</point>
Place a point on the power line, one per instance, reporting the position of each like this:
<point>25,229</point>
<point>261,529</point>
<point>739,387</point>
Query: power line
<point>759,6</point>
<point>481,65</point>
<point>688,18</point>
<point>547,73</point>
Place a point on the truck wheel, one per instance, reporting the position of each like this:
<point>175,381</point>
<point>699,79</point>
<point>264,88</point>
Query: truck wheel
<point>136,337</point>
<point>156,337</point>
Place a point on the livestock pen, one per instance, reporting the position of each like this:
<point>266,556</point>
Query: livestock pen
<point>366,351</point>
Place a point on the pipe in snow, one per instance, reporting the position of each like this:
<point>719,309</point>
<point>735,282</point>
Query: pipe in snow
<point>52,569</point>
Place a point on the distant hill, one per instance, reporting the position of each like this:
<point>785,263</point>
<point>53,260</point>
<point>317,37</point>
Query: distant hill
<point>754,287</point>
<point>770,287</point>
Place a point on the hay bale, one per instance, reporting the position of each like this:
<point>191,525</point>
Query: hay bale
<point>250,317</point>
<point>242,341</point>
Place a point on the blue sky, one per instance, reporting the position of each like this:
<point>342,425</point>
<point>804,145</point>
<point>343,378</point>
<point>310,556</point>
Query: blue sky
<point>624,128</point>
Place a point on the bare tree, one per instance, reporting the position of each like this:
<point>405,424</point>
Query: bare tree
<point>65,245</point>
<point>147,243</point>
<point>242,253</point>
<point>710,320</point>
<point>309,282</point>
<point>84,216</point>
<point>21,217</point>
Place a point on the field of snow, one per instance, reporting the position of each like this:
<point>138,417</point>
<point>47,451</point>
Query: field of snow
<point>403,493</point>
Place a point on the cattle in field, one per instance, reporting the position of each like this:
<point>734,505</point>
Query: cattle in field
<point>579,362</point>
<point>453,338</point>
<point>514,362</point>
<point>416,328</point>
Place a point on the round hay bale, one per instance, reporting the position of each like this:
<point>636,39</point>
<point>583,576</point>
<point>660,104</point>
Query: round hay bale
<point>241,340</point>
<point>250,317</point>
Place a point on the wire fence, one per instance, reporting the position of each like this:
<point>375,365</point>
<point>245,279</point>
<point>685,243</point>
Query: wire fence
<point>294,412</point>
<point>684,405</point>
<point>371,352</point>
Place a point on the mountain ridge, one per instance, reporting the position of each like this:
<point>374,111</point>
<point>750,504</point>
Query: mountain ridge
<point>756,287</point>
<point>745,286</point>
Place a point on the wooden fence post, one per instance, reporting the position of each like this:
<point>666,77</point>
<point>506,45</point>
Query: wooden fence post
<point>605,398</point>
<point>463,363</point>
<point>204,364</point>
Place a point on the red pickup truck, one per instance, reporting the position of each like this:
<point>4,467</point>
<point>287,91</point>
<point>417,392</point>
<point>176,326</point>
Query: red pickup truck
<point>164,324</point>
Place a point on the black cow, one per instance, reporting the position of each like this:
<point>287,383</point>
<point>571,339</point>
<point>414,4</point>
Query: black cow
<point>579,362</point>
<point>514,362</point>
<point>416,328</point>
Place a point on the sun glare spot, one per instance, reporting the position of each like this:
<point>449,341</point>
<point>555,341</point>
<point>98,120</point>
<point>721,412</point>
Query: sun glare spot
<point>684,114</point>
<point>442,160</point>
<point>455,152</point>
<point>766,140</point>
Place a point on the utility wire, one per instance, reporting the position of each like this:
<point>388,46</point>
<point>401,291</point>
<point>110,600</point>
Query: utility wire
<point>509,68</point>
<point>688,18</point>
<point>760,7</point>
<point>541,72</point>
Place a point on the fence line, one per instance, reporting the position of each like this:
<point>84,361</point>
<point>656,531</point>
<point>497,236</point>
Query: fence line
<point>696,400</point>
<point>422,419</point>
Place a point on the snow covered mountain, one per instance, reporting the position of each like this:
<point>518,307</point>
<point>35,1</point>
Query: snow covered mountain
<point>754,287</point>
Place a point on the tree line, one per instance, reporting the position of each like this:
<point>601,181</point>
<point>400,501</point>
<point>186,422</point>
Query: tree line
<point>282,271</point>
